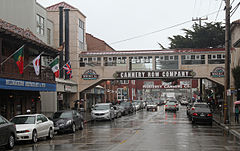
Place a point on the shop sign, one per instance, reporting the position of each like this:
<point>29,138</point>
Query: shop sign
<point>11,84</point>
<point>90,75</point>
<point>154,74</point>
<point>218,72</point>
<point>166,86</point>
<point>67,88</point>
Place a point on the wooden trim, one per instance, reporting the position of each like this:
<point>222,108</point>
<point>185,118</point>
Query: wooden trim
<point>1,48</point>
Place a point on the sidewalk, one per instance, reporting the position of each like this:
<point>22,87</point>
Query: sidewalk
<point>86,116</point>
<point>232,128</point>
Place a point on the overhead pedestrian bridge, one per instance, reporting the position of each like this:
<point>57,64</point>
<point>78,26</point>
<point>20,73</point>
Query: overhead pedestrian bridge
<point>151,64</point>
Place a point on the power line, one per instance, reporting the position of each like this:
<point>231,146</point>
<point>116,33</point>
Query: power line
<point>219,10</point>
<point>235,8</point>
<point>143,35</point>
<point>153,32</point>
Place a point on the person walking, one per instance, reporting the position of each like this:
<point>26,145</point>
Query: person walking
<point>236,114</point>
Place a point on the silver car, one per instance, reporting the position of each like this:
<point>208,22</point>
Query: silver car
<point>103,111</point>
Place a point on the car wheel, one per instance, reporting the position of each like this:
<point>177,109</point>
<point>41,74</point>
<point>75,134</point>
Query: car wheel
<point>11,141</point>
<point>73,128</point>
<point>81,125</point>
<point>34,136</point>
<point>193,121</point>
<point>50,133</point>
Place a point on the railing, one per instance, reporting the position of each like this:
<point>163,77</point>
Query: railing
<point>10,70</point>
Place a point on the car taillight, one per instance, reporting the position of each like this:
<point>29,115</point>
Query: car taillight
<point>26,131</point>
<point>209,114</point>
<point>165,105</point>
<point>193,108</point>
<point>175,105</point>
<point>195,114</point>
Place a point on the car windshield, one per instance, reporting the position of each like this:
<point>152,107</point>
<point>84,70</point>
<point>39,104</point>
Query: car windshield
<point>151,103</point>
<point>201,105</point>
<point>62,115</point>
<point>101,107</point>
<point>23,120</point>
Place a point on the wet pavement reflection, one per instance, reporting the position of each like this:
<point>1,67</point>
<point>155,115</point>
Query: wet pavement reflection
<point>141,131</point>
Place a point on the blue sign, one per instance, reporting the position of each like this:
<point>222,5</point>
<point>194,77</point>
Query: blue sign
<point>11,84</point>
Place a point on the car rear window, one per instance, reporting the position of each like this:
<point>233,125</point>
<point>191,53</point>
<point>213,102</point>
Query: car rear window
<point>201,105</point>
<point>23,120</point>
<point>171,103</point>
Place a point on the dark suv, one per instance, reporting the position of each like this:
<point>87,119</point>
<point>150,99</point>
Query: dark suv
<point>128,107</point>
<point>7,133</point>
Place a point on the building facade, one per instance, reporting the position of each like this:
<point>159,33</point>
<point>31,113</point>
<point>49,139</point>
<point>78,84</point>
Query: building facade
<point>21,92</point>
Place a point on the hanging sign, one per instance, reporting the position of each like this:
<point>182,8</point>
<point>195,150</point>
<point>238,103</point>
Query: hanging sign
<point>154,74</point>
<point>217,72</point>
<point>90,75</point>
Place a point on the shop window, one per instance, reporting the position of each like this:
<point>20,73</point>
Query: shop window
<point>187,57</point>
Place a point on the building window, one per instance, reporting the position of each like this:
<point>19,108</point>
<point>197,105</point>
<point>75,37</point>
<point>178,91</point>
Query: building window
<point>46,60</point>
<point>81,34</point>
<point>171,57</point>
<point>216,59</point>
<point>124,81</point>
<point>133,82</point>
<point>122,94</point>
<point>49,36</point>
<point>40,25</point>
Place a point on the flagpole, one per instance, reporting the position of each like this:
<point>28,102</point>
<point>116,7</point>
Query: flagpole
<point>32,60</point>
<point>12,55</point>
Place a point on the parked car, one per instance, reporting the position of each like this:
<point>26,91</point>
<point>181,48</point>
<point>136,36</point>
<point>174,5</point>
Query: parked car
<point>152,106</point>
<point>103,111</point>
<point>128,107</point>
<point>67,120</point>
<point>138,104</point>
<point>202,115</point>
<point>195,106</point>
<point>117,111</point>
<point>33,126</point>
<point>7,133</point>
<point>171,106</point>
<point>189,106</point>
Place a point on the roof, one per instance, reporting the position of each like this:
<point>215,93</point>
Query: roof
<point>90,35</point>
<point>13,30</point>
<point>65,5</point>
<point>150,52</point>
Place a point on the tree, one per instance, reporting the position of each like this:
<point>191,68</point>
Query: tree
<point>211,35</point>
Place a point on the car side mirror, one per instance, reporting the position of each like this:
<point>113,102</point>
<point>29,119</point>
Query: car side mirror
<point>39,121</point>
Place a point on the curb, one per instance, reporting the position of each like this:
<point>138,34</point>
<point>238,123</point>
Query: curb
<point>232,131</point>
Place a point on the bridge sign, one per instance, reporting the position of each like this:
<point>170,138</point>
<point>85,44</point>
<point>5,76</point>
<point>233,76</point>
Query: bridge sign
<point>154,74</point>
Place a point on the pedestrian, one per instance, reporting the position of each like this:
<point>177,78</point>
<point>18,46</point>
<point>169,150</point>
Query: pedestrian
<point>236,114</point>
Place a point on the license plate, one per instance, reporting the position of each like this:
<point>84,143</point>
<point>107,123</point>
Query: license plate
<point>202,115</point>
<point>56,128</point>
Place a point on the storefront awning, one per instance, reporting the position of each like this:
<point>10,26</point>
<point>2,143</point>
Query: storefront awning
<point>11,84</point>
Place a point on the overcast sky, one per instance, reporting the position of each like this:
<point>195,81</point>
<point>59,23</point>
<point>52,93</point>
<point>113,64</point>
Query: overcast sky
<point>121,20</point>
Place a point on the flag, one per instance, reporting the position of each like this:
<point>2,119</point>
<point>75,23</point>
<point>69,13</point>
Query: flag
<point>68,69</point>
<point>19,59</point>
<point>55,67</point>
<point>36,64</point>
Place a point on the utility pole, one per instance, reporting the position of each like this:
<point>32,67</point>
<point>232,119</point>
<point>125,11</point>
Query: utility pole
<point>227,64</point>
<point>200,20</point>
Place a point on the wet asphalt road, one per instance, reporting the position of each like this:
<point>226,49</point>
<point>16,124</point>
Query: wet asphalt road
<point>143,131</point>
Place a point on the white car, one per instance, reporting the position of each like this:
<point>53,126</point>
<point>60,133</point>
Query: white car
<point>103,111</point>
<point>32,127</point>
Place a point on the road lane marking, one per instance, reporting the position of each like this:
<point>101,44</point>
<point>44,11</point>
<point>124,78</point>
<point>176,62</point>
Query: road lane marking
<point>123,141</point>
